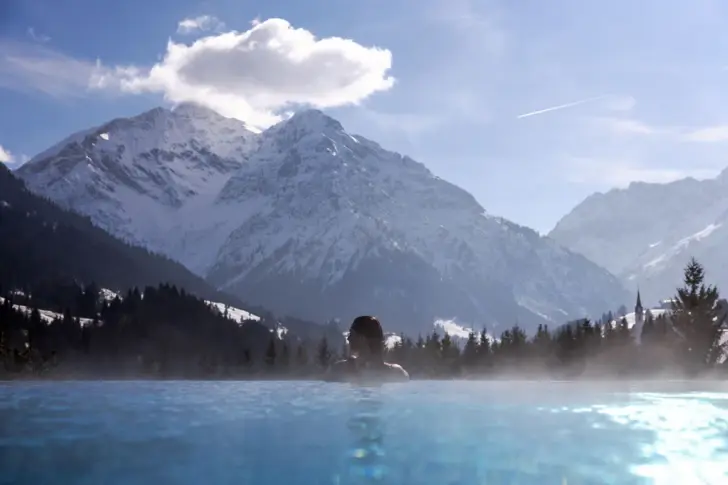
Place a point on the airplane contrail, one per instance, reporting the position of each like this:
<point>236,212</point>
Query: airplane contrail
<point>561,106</point>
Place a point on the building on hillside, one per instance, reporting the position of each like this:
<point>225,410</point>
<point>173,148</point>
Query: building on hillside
<point>636,320</point>
<point>666,304</point>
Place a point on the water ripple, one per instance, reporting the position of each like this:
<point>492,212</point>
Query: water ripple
<point>316,433</point>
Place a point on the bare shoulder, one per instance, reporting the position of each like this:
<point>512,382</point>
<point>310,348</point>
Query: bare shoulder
<point>338,370</point>
<point>397,372</point>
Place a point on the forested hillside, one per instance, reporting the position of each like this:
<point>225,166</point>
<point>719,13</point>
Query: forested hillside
<point>41,243</point>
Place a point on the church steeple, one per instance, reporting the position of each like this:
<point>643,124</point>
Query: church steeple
<point>639,312</point>
<point>638,307</point>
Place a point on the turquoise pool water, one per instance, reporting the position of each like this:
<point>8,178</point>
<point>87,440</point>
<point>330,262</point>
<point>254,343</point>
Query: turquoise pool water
<point>439,433</point>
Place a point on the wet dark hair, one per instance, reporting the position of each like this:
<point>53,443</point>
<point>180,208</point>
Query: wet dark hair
<point>369,328</point>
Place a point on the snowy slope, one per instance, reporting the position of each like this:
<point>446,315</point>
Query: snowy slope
<point>46,316</point>
<point>312,221</point>
<point>242,316</point>
<point>235,314</point>
<point>138,178</point>
<point>336,210</point>
<point>646,233</point>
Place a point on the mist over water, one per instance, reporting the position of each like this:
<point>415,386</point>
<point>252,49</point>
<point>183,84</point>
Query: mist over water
<point>318,433</point>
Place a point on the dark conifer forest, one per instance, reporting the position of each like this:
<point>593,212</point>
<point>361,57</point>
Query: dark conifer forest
<point>165,332</point>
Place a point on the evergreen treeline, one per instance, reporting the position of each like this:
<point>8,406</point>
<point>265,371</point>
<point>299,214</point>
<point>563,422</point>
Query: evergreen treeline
<point>168,333</point>
<point>162,332</point>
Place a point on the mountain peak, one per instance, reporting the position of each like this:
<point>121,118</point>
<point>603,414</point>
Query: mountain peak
<point>313,120</point>
<point>723,176</point>
<point>194,110</point>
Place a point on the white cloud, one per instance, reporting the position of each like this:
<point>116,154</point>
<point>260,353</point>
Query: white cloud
<point>254,75</point>
<point>710,134</point>
<point>607,173</point>
<point>199,24</point>
<point>33,67</point>
<point>6,156</point>
<point>628,126</point>
<point>257,74</point>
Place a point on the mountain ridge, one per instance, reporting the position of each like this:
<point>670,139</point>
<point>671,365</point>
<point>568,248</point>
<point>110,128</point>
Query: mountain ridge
<point>327,214</point>
<point>657,228</point>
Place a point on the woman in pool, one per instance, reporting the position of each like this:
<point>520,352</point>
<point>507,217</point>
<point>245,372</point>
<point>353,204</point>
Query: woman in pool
<point>366,362</point>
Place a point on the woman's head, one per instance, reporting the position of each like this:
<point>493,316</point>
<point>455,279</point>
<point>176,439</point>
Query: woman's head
<point>366,336</point>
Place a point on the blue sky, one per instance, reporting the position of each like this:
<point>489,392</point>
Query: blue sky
<point>464,86</point>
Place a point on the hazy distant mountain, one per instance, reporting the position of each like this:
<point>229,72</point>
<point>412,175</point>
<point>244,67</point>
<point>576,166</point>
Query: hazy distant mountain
<point>310,220</point>
<point>646,233</point>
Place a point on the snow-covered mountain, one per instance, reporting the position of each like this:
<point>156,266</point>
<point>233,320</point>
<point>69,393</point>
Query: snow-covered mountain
<point>646,233</point>
<point>135,177</point>
<point>309,220</point>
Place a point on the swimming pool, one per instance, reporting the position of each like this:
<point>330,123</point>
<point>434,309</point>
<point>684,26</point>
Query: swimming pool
<point>443,433</point>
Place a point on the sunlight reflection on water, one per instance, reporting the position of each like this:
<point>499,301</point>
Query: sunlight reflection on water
<point>691,442</point>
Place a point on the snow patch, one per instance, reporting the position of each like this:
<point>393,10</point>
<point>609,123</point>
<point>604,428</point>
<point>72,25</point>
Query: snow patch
<point>109,295</point>
<point>453,328</point>
<point>698,236</point>
<point>390,340</point>
<point>681,245</point>
<point>46,316</point>
<point>237,314</point>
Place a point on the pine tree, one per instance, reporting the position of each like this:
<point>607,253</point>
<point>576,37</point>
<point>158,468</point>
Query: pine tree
<point>484,343</point>
<point>623,334</point>
<point>663,332</point>
<point>285,358</point>
<point>697,319</point>
<point>565,344</point>
<point>301,356</point>
<point>622,311</point>
<point>648,335</point>
<point>447,347</point>
<point>434,348</point>
<point>324,354</point>
<point>470,352</point>
<point>542,342</point>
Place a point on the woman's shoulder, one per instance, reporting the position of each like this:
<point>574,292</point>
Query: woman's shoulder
<point>397,370</point>
<point>341,369</point>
